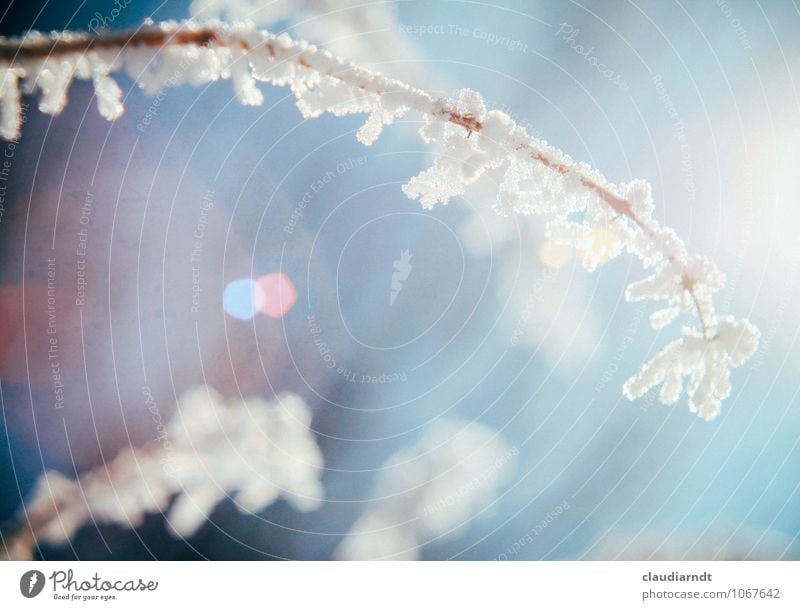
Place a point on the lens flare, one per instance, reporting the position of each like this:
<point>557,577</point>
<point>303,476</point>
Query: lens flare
<point>239,299</point>
<point>275,295</point>
<point>272,294</point>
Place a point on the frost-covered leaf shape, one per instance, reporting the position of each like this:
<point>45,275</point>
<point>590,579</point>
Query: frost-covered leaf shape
<point>706,363</point>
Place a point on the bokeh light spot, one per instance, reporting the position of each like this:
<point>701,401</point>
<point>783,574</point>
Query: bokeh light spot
<point>239,299</point>
<point>275,295</point>
<point>600,248</point>
<point>554,255</point>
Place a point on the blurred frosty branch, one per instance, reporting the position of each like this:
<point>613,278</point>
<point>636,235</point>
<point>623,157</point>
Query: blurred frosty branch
<point>428,491</point>
<point>250,450</point>
<point>583,209</point>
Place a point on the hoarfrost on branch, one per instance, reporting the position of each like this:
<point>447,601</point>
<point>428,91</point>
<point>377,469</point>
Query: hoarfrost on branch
<point>214,448</point>
<point>581,207</point>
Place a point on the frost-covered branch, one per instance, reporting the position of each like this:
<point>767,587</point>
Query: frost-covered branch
<point>583,209</point>
<point>250,450</point>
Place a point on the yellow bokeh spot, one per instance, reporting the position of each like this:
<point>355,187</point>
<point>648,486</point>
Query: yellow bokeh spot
<point>601,248</point>
<point>554,255</point>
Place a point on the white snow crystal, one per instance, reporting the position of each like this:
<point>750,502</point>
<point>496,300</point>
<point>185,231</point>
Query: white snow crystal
<point>688,287</point>
<point>11,111</point>
<point>466,155</point>
<point>53,77</point>
<point>662,317</point>
<point>534,188</point>
<point>244,84</point>
<point>108,95</point>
